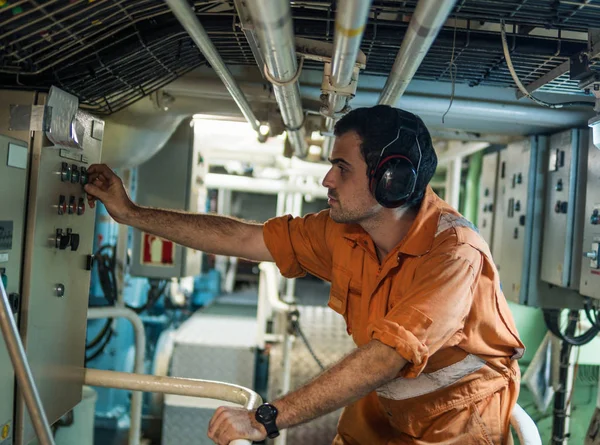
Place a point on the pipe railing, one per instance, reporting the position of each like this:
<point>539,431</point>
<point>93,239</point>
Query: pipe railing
<point>424,26</point>
<point>135,428</point>
<point>178,386</point>
<point>26,384</point>
<point>185,15</point>
<point>273,23</point>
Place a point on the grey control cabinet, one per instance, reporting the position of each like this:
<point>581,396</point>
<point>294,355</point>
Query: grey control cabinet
<point>487,197</point>
<point>57,262</point>
<point>14,163</point>
<point>589,284</point>
<point>511,218</point>
<point>181,171</point>
<point>564,209</point>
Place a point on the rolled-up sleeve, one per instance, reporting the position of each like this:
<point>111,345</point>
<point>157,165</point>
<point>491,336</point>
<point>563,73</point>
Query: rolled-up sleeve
<point>432,311</point>
<point>302,244</point>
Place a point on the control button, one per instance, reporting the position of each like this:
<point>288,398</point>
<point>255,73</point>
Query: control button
<point>519,178</point>
<point>59,290</point>
<point>559,186</point>
<point>490,207</point>
<point>522,220</point>
<point>557,207</point>
<point>72,205</point>
<point>518,206</point>
<point>62,205</point>
<point>595,219</point>
<point>81,206</point>
<point>65,173</point>
<point>83,176</point>
<point>486,192</point>
<point>74,241</point>
<point>74,174</point>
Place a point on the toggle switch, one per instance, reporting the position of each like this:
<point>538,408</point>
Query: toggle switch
<point>81,206</point>
<point>595,218</point>
<point>62,240</point>
<point>62,205</point>
<point>74,242</point>
<point>72,205</point>
<point>74,174</point>
<point>65,172</point>
<point>83,177</point>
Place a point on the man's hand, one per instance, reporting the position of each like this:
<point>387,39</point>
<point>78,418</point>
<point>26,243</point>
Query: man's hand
<point>105,185</point>
<point>229,424</point>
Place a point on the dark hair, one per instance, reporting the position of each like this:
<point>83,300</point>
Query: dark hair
<point>376,127</point>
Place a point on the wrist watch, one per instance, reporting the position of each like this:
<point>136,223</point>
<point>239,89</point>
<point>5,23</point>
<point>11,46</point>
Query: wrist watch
<point>266,415</point>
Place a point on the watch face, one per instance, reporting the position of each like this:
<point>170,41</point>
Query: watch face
<point>266,412</point>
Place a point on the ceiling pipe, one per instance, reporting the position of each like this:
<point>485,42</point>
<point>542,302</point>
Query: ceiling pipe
<point>273,23</point>
<point>186,16</point>
<point>350,23</point>
<point>425,24</point>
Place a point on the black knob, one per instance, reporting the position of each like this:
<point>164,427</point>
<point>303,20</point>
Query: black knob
<point>564,206</point>
<point>74,174</point>
<point>62,240</point>
<point>522,220</point>
<point>518,206</point>
<point>74,241</point>
<point>486,192</point>
<point>519,178</point>
<point>491,208</point>
<point>595,218</point>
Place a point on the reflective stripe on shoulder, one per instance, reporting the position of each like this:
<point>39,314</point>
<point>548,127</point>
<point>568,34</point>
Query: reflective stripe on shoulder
<point>402,389</point>
<point>448,220</point>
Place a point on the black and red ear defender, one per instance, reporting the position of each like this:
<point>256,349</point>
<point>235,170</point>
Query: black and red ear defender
<point>394,178</point>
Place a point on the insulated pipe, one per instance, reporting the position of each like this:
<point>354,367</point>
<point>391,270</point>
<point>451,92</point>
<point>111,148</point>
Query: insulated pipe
<point>23,373</point>
<point>425,24</point>
<point>181,9</point>
<point>273,22</point>
<point>175,385</point>
<point>135,428</point>
<point>350,21</point>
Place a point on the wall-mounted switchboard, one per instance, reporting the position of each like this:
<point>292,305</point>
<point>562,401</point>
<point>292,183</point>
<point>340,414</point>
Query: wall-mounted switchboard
<point>564,208</point>
<point>589,284</point>
<point>58,257</point>
<point>511,218</point>
<point>487,197</point>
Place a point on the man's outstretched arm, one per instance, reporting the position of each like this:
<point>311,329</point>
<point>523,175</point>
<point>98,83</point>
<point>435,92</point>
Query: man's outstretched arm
<point>362,371</point>
<point>216,234</point>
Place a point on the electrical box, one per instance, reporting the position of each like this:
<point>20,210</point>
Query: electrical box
<point>487,197</point>
<point>589,284</point>
<point>511,218</point>
<point>564,208</point>
<point>171,179</point>
<point>14,162</point>
<point>58,256</point>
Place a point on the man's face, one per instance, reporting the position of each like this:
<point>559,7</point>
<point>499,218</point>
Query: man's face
<point>349,196</point>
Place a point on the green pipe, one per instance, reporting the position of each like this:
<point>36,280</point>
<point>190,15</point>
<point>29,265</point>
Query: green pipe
<point>472,187</point>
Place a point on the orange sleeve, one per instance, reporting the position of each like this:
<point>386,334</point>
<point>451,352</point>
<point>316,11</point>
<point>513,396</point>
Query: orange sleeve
<point>300,245</point>
<point>432,311</point>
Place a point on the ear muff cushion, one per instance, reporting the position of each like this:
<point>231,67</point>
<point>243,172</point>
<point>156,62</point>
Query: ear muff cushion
<point>394,180</point>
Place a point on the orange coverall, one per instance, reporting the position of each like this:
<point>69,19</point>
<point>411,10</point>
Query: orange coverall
<point>436,300</point>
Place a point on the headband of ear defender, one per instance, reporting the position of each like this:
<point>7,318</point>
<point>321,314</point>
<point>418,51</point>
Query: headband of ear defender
<point>394,178</point>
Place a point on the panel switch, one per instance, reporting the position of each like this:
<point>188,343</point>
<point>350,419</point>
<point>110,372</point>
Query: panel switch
<point>592,255</point>
<point>65,172</point>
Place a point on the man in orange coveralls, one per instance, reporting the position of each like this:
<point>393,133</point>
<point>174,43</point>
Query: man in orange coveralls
<point>436,352</point>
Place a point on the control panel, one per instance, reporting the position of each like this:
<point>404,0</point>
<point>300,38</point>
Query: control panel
<point>58,258</point>
<point>589,284</point>
<point>511,218</point>
<point>13,183</point>
<point>487,197</point>
<point>152,256</point>
<point>563,215</point>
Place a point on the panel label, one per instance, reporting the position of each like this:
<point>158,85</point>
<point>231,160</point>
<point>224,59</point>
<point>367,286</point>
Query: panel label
<point>157,251</point>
